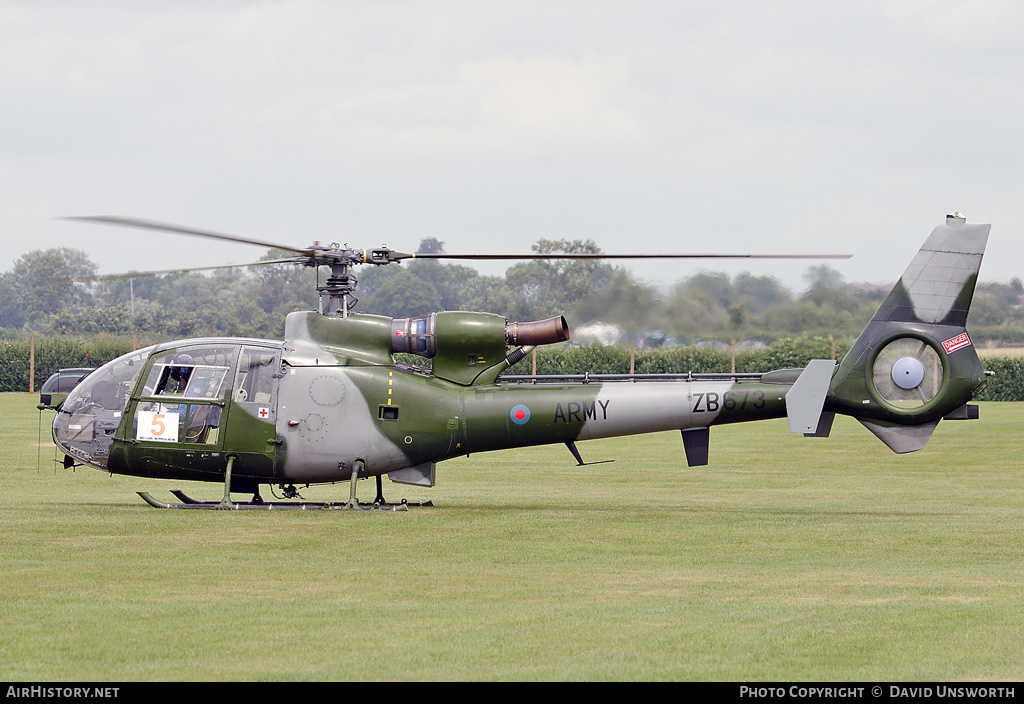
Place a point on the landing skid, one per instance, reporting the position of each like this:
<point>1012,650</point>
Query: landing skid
<point>187,502</point>
<point>257,502</point>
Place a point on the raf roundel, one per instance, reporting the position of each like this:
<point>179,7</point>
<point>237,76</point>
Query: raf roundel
<point>519,414</point>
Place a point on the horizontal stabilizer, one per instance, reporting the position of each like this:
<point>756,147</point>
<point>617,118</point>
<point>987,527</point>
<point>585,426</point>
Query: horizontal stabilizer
<point>824,426</point>
<point>901,439</point>
<point>968,411</point>
<point>806,398</point>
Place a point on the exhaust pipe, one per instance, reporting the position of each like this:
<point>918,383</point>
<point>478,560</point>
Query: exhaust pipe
<point>540,332</point>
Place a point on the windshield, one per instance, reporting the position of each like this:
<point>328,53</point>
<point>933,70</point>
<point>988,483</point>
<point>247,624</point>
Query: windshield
<point>85,425</point>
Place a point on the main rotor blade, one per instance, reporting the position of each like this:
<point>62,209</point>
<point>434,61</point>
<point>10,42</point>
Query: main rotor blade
<point>623,256</point>
<point>180,270</point>
<point>315,253</point>
<point>163,227</point>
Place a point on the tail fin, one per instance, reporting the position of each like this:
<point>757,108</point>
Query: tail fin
<point>914,363</point>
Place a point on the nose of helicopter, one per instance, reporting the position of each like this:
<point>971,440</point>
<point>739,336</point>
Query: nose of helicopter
<point>86,422</point>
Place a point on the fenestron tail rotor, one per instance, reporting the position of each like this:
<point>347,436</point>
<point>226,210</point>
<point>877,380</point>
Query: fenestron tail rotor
<point>336,291</point>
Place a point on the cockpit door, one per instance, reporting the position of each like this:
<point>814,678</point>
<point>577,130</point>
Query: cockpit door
<point>250,432</point>
<point>175,423</point>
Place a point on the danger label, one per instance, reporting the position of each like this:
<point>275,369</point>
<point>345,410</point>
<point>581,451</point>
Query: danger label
<point>955,343</point>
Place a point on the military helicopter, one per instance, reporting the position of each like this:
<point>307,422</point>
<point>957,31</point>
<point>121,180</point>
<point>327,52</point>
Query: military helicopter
<point>330,404</point>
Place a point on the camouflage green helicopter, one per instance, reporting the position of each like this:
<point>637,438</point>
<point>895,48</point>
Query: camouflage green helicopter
<point>330,404</point>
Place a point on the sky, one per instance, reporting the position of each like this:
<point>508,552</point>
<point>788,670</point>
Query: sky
<point>648,127</point>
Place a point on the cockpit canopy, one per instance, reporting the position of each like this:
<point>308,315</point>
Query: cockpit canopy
<point>185,387</point>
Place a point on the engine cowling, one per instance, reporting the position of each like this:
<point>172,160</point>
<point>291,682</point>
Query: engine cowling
<point>464,344</point>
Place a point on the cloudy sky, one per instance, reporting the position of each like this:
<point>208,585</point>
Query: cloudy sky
<point>733,126</point>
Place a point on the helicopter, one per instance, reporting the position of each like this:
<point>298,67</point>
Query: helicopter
<point>330,403</point>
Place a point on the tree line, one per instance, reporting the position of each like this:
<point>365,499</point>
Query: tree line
<point>50,292</point>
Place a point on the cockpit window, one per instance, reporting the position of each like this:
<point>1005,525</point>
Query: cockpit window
<point>178,397</point>
<point>195,373</point>
<point>109,386</point>
<point>254,379</point>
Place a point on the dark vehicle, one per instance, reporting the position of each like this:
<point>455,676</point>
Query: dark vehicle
<point>60,383</point>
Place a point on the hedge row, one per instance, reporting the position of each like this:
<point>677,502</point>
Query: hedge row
<point>53,353</point>
<point>1008,382</point>
<point>59,352</point>
<point>667,360</point>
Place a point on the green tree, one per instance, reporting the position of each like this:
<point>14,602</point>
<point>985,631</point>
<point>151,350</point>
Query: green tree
<point>449,280</point>
<point>837,298</point>
<point>1006,297</point>
<point>430,245</point>
<point>401,294</point>
<point>44,283</point>
<point>281,288</point>
<point>715,285</point>
<point>623,301</point>
<point>696,307</point>
<point>11,315</point>
<point>758,293</point>
<point>737,315</point>
<point>489,294</point>
<point>985,310</point>
<point>549,287</point>
<point>823,276</point>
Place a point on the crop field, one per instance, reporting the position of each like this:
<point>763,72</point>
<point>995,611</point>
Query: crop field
<point>786,558</point>
<point>986,352</point>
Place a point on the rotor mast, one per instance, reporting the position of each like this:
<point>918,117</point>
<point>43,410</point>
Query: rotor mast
<point>335,292</point>
<point>336,299</point>
<point>339,286</point>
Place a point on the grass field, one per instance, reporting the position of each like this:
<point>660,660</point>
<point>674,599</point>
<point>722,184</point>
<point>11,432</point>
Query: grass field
<point>786,558</point>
